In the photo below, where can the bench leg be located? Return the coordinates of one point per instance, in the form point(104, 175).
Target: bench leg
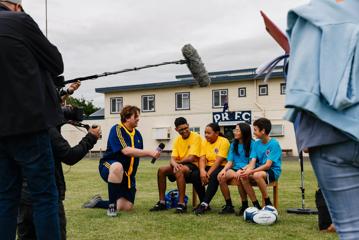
point(194, 197)
point(275, 196)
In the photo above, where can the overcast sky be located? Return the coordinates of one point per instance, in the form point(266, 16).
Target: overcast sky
point(110, 35)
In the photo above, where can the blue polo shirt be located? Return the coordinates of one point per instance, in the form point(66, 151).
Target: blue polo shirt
point(239, 160)
point(269, 151)
point(119, 138)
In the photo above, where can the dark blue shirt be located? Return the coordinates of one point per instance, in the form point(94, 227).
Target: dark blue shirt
point(118, 139)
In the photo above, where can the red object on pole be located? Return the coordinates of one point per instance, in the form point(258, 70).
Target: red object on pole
point(276, 33)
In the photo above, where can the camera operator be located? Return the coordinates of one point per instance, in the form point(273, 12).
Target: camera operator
point(63, 153)
point(29, 106)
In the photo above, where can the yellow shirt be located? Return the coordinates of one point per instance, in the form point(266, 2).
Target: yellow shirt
point(219, 148)
point(183, 148)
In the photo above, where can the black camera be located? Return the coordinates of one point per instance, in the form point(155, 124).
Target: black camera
point(72, 113)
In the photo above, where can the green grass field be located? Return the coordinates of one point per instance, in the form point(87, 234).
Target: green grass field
point(83, 181)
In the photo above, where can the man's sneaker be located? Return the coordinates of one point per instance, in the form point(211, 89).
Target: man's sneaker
point(227, 209)
point(181, 208)
point(92, 202)
point(111, 211)
point(158, 207)
point(201, 209)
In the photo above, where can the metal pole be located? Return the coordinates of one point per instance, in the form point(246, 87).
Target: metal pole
point(46, 18)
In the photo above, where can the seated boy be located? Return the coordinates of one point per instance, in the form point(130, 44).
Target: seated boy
point(265, 164)
point(183, 166)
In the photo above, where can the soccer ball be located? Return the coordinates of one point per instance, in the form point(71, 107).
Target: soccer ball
point(271, 209)
point(264, 217)
point(249, 213)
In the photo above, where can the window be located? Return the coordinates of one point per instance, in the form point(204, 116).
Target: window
point(277, 130)
point(182, 101)
point(242, 92)
point(148, 103)
point(263, 90)
point(282, 88)
point(195, 129)
point(116, 104)
point(219, 97)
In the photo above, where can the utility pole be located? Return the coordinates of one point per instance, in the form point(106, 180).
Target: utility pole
point(46, 17)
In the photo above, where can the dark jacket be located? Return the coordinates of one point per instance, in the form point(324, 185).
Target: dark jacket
point(28, 98)
point(64, 153)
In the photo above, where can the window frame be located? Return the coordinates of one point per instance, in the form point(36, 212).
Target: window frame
point(154, 103)
point(221, 104)
point(283, 92)
point(119, 110)
point(245, 92)
point(265, 86)
point(189, 101)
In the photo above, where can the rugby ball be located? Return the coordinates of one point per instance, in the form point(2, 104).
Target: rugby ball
point(264, 217)
point(249, 214)
point(271, 209)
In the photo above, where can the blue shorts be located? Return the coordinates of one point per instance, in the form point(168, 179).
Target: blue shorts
point(270, 176)
point(125, 192)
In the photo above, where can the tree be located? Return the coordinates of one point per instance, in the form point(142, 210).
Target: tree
point(88, 106)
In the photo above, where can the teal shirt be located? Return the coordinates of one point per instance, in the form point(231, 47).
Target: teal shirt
point(269, 151)
point(239, 160)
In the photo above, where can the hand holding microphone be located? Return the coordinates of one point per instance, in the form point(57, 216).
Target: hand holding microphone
point(159, 149)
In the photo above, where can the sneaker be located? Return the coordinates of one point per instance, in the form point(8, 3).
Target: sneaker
point(227, 209)
point(158, 207)
point(181, 208)
point(92, 202)
point(207, 209)
point(201, 209)
point(111, 211)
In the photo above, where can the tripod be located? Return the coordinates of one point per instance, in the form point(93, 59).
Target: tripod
point(302, 210)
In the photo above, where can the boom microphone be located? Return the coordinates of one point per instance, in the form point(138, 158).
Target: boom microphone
point(159, 148)
point(192, 60)
point(195, 65)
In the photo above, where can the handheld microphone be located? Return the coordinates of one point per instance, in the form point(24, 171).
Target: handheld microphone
point(195, 65)
point(160, 147)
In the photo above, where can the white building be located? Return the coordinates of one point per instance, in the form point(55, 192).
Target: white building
point(160, 103)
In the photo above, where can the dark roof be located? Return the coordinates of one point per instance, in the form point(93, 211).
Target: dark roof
point(99, 114)
point(188, 81)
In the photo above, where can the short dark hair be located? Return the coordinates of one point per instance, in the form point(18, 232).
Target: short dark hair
point(263, 123)
point(128, 111)
point(180, 121)
point(215, 127)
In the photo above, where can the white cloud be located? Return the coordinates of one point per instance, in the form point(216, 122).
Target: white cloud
point(109, 35)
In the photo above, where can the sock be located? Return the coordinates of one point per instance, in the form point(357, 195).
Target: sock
point(102, 204)
point(267, 201)
point(256, 204)
point(229, 202)
point(245, 204)
point(113, 189)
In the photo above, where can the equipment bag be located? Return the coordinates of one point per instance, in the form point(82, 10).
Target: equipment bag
point(171, 198)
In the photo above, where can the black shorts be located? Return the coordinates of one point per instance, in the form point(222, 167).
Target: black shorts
point(191, 167)
point(270, 176)
point(125, 192)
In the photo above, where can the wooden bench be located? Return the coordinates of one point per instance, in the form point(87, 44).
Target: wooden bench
point(274, 185)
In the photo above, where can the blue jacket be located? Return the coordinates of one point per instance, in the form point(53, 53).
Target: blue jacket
point(323, 76)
